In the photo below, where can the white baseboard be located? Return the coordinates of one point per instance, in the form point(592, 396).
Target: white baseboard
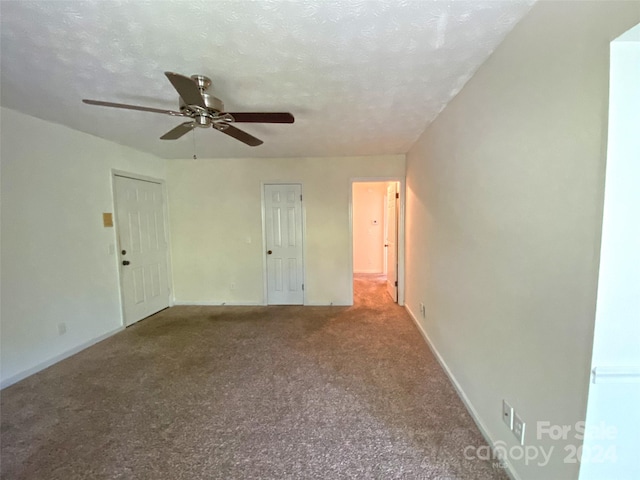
point(47, 363)
point(182, 303)
point(321, 304)
point(467, 403)
point(252, 304)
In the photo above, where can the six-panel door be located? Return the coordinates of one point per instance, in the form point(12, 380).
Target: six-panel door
point(283, 231)
point(143, 255)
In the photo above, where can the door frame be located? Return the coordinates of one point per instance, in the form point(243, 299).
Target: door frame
point(144, 178)
point(401, 227)
point(265, 286)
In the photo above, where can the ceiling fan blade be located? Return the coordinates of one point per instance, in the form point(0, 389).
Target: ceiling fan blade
point(131, 107)
point(187, 89)
point(262, 117)
point(179, 131)
point(238, 134)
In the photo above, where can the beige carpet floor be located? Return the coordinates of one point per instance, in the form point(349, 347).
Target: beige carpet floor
point(246, 393)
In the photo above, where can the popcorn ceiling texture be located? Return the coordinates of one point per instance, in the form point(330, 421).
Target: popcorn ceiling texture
point(362, 77)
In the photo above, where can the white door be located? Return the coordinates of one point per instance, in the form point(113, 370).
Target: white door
point(143, 248)
point(283, 233)
point(391, 240)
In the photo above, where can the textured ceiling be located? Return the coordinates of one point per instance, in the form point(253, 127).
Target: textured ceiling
point(362, 77)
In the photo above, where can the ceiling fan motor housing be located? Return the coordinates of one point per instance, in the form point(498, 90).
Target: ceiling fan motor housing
point(212, 103)
point(203, 118)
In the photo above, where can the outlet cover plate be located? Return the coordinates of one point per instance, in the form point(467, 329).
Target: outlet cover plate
point(507, 414)
point(518, 428)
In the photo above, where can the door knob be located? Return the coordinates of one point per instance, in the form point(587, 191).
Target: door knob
point(126, 262)
point(124, 252)
point(269, 252)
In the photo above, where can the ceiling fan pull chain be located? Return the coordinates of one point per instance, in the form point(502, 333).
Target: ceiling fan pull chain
point(194, 144)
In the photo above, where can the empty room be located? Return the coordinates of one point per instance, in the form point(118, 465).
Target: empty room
point(324, 239)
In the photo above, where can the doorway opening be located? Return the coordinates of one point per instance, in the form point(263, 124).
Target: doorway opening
point(377, 233)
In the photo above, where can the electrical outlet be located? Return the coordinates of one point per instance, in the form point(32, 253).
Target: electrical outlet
point(518, 428)
point(62, 328)
point(507, 414)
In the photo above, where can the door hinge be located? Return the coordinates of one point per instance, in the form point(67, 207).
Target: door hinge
point(396, 283)
point(303, 287)
point(397, 195)
point(300, 197)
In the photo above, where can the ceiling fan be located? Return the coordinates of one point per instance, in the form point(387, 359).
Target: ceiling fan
point(204, 110)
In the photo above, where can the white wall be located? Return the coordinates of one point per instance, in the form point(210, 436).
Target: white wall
point(612, 401)
point(55, 261)
point(216, 224)
point(368, 237)
point(504, 212)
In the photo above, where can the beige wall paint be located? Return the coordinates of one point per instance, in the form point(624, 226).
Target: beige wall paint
point(215, 209)
point(55, 265)
point(368, 238)
point(504, 213)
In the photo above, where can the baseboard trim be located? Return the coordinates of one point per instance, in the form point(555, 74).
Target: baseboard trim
point(181, 303)
point(463, 396)
point(57, 358)
point(320, 304)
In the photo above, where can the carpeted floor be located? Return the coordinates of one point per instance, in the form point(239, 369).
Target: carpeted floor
point(246, 393)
